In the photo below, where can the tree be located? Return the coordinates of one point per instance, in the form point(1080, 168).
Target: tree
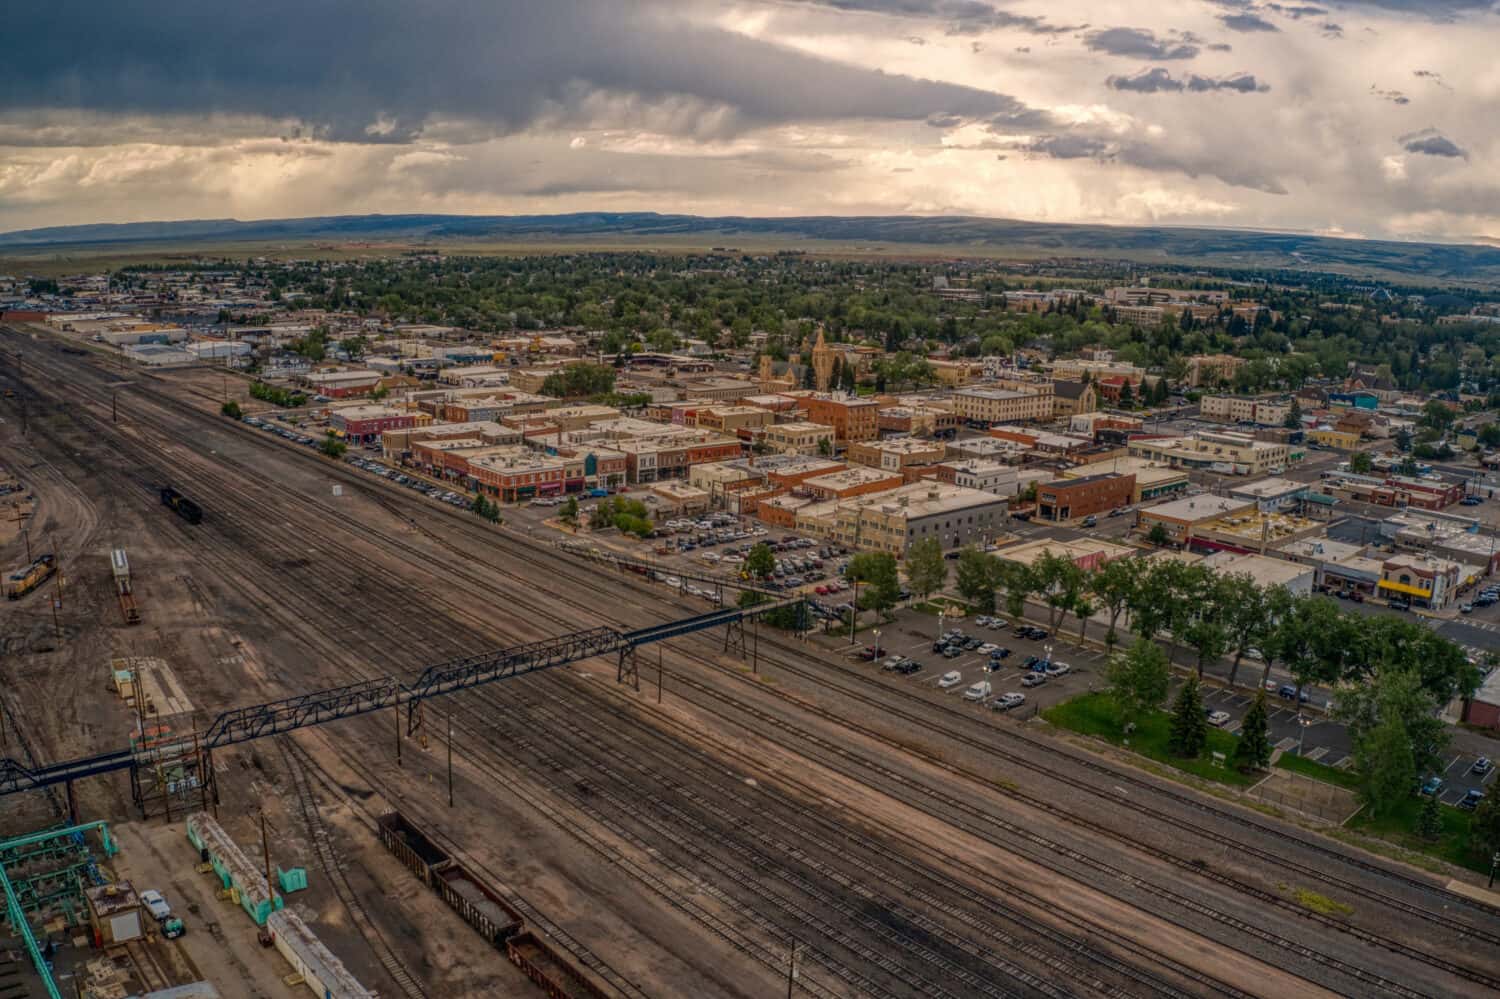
point(1437, 415)
point(1254, 749)
point(1293, 419)
point(1127, 396)
point(1138, 678)
point(1484, 828)
point(926, 569)
point(1083, 608)
point(1112, 585)
point(1205, 617)
point(825, 447)
point(1016, 581)
point(1360, 463)
point(1383, 761)
point(1489, 435)
point(1246, 616)
point(877, 570)
point(1158, 535)
point(579, 381)
point(760, 562)
point(332, 446)
point(1059, 582)
point(1430, 819)
point(1189, 726)
point(569, 512)
point(975, 577)
point(232, 410)
point(354, 346)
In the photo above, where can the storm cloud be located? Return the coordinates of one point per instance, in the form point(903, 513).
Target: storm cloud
point(1246, 22)
point(958, 17)
point(382, 70)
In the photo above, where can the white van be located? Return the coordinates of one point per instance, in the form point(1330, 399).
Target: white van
point(977, 691)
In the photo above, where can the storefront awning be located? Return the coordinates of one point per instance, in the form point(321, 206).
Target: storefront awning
point(1388, 584)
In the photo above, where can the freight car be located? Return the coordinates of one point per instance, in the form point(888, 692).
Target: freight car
point(23, 581)
point(186, 508)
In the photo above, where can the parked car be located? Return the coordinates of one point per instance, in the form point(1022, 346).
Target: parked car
point(156, 904)
point(870, 653)
point(1481, 766)
point(1090, 521)
point(909, 667)
point(1006, 701)
point(1433, 785)
point(1033, 679)
point(1001, 653)
point(952, 678)
point(1466, 608)
point(952, 652)
point(1287, 692)
point(1471, 799)
point(1054, 669)
point(977, 691)
point(1218, 717)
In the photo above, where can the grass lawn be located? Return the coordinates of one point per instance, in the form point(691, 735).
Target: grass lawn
point(1399, 826)
point(1096, 715)
point(1318, 771)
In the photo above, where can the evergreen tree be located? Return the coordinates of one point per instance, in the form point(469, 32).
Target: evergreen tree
point(1429, 819)
point(1189, 726)
point(1254, 750)
point(1127, 396)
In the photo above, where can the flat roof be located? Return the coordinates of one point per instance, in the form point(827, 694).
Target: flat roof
point(1028, 552)
point(1264, 488)
point(1198, 508)
point(1264, 570)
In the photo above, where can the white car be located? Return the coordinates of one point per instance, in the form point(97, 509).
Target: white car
point(1033, 679)
point(156, 904)
point(987, 648)
point(977, 691)
point(1218, 717)
point(1057, 669)
point(672, 581)
point(1005, 702)
point(952, 678)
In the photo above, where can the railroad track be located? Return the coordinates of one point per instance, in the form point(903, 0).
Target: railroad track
point(551, 567)
point(333, 870)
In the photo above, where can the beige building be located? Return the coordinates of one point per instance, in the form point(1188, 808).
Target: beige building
point(1226, 453)
point(800, 437)
point(1210, 369)
point(1245, 409)
point(1073, 369)
point(991, 406)
point(732, 419)
point(891, 521)
point(896, 455)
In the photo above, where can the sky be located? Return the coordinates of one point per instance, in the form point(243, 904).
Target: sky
point(1361, 118)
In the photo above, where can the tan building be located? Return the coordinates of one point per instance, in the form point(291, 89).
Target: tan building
point(898, 455)
point(891, 521)
point(1180, 517)
point(857, 480)
point(1145, 316)
point(1074, 369)
point(956, 373)
point(1153, 482)
point(1070, 399)
point(799, 437)
point(1244, 409)
point(1210, 369)
point(1226, 453)
point(991, 406)
point(732, 419)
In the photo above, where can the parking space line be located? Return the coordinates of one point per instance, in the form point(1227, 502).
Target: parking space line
point(1451, 764)
point(1286, 744)
point(1343, 763)
point(1317, 753)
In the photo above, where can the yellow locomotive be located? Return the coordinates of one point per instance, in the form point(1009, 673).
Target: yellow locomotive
point(23, 581)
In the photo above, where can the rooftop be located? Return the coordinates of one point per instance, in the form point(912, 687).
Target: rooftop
point(1198, 508)
point(1264, 570)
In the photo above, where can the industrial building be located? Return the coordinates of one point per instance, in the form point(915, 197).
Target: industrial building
point(1074, 499)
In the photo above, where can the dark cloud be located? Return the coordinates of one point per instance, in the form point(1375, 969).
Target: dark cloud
point(383, 70)
point(1158, 80)
point(1070, 147)
point(1394, 96)
point(1142, 43)
point(1296, 11)
point(1431, 142)
point(1220, 47)
point(1432, 75)
point(1437, 10)
point(959, 17)
point(1332, 30)
point(1246, 22)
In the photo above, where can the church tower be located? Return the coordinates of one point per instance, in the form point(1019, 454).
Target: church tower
point(822, 362)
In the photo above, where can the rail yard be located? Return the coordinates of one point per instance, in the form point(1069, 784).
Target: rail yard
point(783, 822)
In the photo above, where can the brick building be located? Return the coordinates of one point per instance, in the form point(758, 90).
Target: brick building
point(360, 424)
point(852, 419)
point(1070, 499)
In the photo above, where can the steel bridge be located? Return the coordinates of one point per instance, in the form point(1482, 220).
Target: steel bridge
point(320, 706)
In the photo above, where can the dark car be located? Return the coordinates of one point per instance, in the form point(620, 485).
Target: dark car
point(1031, 662)
point(1287, 692)
point(951, 652)
point(871, 653)
point(1471, 799)
point(970, 644)
point(939, 645)
point(1000, 653)
point(909, 667)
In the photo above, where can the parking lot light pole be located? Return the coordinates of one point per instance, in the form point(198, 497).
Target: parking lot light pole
point(1304, 722)
point(877, 642)
point(940, 624)
point(1494, 861)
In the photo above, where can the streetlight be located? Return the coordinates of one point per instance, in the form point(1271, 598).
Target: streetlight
point(940, 624)
point(877, 642)
point(1304, 723)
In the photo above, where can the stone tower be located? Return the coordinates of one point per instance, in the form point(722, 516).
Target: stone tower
point(822, 363)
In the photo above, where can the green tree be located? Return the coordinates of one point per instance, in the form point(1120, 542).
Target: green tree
point(1112, 585)
point(882, 585)
point(1293, 419)
point(1383, 761)
point(232, 410)
point(1016, 581)
point(1489, 435)
point(1246, 615)
point(1430, 819)
point(569, 512)
point(926, 569)
point(1360, 463)
point(332, 446)
point(1127, 396)
point(1437, 415)
point(760, 562)
point(1253, 751)
point(1083, 609)
point(1189, 726)
point(579, 381)
point(1205, 627)
point(1158, 535)
point(825, 447)
point(1484, 827)
point(354, 346)
point(975, 577)
point(1059, 582)
point(1138, 678)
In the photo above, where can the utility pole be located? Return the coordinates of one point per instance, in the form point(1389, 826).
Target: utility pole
point(265, 851)
point(658, 674)
point(396, 711)
point(854, 612)
point(791, 970)
point(450, 755)
point(114, 407)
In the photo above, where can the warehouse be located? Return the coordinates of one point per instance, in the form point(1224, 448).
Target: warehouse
point(1071, 499)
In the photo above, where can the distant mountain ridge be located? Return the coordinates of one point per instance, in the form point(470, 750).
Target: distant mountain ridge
point(1209, 247)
